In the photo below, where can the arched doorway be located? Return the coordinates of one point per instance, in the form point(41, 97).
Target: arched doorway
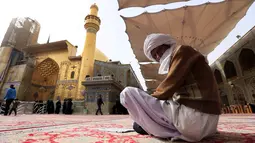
point(218, 76)
point(238, 95)
point(229, 70)
point(247, 59)
point(44, 80)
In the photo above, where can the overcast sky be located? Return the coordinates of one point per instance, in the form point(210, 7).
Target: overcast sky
point(64, 20)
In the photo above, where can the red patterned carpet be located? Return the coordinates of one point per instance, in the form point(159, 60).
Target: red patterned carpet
point(97, 129)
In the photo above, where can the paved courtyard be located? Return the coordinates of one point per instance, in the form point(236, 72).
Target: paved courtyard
point(106, 129)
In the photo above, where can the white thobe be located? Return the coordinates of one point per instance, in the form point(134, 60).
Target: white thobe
point(167, 118)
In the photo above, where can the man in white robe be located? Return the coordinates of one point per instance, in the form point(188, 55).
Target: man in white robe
point(186, 104)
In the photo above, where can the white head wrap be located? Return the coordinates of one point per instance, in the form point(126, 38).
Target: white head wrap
point(152, 41)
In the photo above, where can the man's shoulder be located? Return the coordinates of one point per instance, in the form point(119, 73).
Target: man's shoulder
point(185, 50)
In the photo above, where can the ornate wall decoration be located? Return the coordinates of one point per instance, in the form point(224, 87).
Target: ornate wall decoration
point(238, 95)
point(47, 68)
point(64, 68)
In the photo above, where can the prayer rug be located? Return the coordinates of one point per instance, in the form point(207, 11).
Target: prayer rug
point(106, 129)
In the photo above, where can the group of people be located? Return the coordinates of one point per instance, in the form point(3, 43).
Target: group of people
point(51, 108)
point(67, 106)
point(11, 102)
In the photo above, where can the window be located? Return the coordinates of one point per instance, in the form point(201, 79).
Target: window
point(72, 74)
point(229, 70)
point(247, 59)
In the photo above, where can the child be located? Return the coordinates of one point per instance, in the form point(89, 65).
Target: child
point(14, 107)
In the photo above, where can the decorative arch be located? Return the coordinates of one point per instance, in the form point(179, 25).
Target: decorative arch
point(45, 77)
point(247, 59)
point(229, 70)
point(238, 95)
point(218, 76)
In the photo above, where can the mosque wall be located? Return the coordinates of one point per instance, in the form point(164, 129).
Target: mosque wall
point(15, 77)
point(235, 73)
point(64, 84)
point(93, 93)
point(121, 73)
point(109, 92)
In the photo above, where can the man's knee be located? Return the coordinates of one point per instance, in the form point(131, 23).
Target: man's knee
point(126, 93)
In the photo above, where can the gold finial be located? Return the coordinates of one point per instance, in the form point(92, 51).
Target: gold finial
point(94, 6)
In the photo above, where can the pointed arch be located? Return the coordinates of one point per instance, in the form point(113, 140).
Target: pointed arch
point(45, 76)
point(230, 70)
point(247, 59)
point(218, 76)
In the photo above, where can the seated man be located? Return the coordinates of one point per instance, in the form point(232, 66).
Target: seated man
point(186, 104)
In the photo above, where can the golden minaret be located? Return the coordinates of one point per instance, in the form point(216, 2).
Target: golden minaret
point(92, 23)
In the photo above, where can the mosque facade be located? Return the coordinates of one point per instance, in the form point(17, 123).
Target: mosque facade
point(235, 71)
point(54, 71)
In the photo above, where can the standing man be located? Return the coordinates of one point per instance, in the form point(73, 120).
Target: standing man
point(99, 103)
point(9, 97)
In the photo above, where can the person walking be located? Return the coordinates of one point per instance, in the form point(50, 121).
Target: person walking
point(99, 104)
point(9, 97)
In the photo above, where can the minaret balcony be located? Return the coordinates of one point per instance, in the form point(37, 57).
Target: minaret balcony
point(93, 18)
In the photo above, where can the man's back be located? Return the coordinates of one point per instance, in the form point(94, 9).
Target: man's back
point(190, 82)
point(200, 80)
point(99, 101)
point(10, 94)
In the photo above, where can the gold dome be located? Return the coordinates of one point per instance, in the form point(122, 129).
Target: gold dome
point(100, 56)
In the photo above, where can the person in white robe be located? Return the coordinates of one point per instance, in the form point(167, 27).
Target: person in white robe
point(164, 116)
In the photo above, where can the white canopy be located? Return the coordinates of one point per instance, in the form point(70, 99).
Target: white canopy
point(150, 71)
point(202, 27)
point(143, 3)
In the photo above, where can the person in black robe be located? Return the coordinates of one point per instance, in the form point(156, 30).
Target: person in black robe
point(50, 107)
point(99, 104)
point(64, 106)
point(69, 106)
point(58, 106)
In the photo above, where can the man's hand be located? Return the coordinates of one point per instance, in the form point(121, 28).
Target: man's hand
point(158, 95)
point(155, 94)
